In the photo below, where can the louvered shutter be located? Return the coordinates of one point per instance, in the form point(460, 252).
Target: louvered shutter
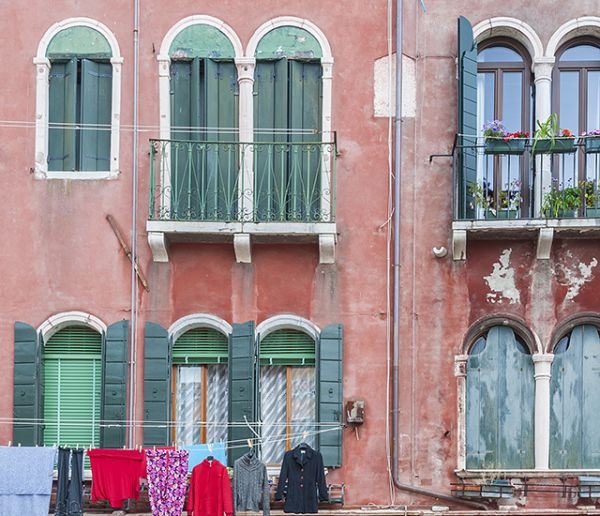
point(467, 116)
point(72, 387)
point(157, 385)
point(95, 110)
point(114, 385)
point(62, 116)
point(241, 386)
point(26, 400)
point(201, 346)
point(330, 392)
point(287, 347)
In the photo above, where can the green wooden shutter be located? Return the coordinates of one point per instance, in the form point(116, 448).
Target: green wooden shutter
point(114, 384)
point(157, 385)
point(62, 109)
point(500, 404)
point(287, 347)
point(201, 346)
point(26, 400)
point(241, 386)
point(329, 393)
point(72, 387)
point(575, 404)
point(467, 115)
point(95, 110)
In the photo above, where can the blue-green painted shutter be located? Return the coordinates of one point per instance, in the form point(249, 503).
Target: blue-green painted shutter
point(157, 385)
point(467, 116)
point(114, 384)
point(26, 400)
point(95, 110)
point(242, 354)
point(287, 347)
point(575, 403)
point(329, 393)
point(500, 404)
point(62, 110)
point(201, 346)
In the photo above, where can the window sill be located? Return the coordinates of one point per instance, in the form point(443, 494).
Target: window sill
point(488, 474)
point(543, 230)
point(77, 176)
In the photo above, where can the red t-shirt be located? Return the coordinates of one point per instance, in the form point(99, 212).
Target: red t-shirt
point(115, 475)
point(210, 490)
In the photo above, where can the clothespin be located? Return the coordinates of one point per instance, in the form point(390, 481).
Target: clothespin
point(304, 435)
point(154, 448)
point(19, 445)
point(10, 443)
point(210, 447)
point(250, 445)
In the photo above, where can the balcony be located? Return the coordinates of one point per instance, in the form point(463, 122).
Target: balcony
point(242, 193)
point(516, 191)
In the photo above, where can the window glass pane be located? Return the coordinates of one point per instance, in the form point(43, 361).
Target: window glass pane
point(273, 412)
point(485, 113)
point(303, 405)
point(499, 54)
point(569, 119)
point(188, 404)
point(216, 403)
point(593, 122)
point(512, 100)
point(581, 53)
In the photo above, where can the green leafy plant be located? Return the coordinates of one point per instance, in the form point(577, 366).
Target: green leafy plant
point(549, 130)
point(559, 200)
point(590, 192)
point(508, 199)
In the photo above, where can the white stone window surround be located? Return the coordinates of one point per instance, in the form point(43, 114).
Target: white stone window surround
point(198, 320)
point(287, 322)
point(42, 71)
point(61, 320)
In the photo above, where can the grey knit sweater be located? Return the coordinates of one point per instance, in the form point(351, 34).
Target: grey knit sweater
point(250, 485)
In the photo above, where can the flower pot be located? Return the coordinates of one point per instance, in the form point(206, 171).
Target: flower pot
point(567, 214)
point(592, 145)
point(556, 146)
point(502, 214)
point(592, 213)
point(500, 146)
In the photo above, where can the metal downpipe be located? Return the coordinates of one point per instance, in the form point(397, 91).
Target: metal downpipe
point(396, 282)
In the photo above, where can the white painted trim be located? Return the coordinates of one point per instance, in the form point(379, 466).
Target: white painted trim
point(201, 320)
point(512, 27)
point(542, 364)
point(61, 320)
point(287, 322)
point(42, 66)
point(584, 25)
point(200, 19)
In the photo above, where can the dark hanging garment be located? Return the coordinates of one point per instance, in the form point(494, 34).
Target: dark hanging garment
point(69, 494)
point(302, 480)
point(250, 484)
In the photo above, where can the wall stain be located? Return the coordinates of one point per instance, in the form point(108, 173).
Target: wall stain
point(501, 281)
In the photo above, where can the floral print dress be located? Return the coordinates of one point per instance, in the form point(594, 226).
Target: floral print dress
point(167, 481)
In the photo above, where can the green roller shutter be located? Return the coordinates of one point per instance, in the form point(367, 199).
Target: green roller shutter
point(95, 110)
point(467, 116)
point(157, 385)
point(26, 401)
point(114, 385)
point(242, 355)
point(287, 347)
point(329, 393)
point(201, 346)
point(62, 109)
point(72, 387)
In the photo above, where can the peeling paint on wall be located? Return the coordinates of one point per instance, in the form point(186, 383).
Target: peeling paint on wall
point(383, 106)
point(501, 281)
point(575, 275)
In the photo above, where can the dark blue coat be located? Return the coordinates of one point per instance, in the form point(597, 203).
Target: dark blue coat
point(302, 480)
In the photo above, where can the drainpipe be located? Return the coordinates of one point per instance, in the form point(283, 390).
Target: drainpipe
point(396, 265)
point(134, 180)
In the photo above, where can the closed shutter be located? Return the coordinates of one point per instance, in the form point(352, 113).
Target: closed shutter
point(62, 116)
point(287, 347)
point(329, 393)
point(575, 404)
point(157, 384)
point(26, 401)
point(500, 404)
point(114, 385)
point(72, 387)
point(201, 346)
point(241, 386)
point(95, 110)
point(467, 116)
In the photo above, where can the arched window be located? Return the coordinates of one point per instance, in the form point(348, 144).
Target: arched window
point(500, 402)
point(72, 387)
point(288, 114)
point(287, 392)
point(504, 93)
point(575, 404)
point(200, 386)
point(576, 99)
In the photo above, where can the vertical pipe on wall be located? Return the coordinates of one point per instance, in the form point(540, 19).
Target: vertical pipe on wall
point(396, 283)
point(134, 180)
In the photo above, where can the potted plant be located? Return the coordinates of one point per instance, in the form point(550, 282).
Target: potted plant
point(499, 141)
point(592, 199)
point(591, 141)
point(549, 138)
point(562, 202)
point(509, 200)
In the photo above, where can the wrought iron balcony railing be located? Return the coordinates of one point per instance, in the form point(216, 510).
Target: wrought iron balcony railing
point(242, 182)
point(515, 180)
